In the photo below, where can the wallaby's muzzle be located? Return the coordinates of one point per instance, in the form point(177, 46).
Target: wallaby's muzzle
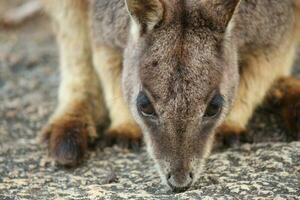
point(179, 181)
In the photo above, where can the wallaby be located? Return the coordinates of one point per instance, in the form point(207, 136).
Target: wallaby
point(178, 71)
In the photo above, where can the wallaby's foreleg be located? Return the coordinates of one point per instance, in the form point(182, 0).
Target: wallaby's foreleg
point(80, 106)
point(257, 75)
point(123, 128)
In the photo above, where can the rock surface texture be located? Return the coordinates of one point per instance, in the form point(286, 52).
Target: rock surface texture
point(267, 169)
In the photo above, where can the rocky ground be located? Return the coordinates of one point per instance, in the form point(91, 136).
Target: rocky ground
point(267, 169)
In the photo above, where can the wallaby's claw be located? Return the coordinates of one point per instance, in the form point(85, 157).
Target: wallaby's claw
point(230, 136)
point(291, 114)
point(126, 136)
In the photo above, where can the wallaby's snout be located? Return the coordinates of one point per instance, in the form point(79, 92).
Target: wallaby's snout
point(180, 177)
point(180, 182)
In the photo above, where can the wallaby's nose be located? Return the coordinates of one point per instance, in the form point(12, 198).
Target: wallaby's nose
point(180, 182)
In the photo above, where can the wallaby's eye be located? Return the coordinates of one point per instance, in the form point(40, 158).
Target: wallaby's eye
point(144, 105)
point(214, 106)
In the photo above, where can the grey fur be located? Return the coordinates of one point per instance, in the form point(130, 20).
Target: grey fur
point(110, 22)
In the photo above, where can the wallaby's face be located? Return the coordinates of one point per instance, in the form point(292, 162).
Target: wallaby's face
point(180, 76)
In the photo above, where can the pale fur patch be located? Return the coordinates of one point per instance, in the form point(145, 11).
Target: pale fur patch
point(108, 64)
point(135, 30)
point(257, 78)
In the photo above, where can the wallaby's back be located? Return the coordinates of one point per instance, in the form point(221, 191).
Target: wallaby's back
point(258, 24)
point(262, 25)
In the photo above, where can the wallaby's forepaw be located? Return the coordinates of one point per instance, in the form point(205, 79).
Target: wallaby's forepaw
point(291, 114)
point(127, 135)
point(286, 93)
point(67, 139)
point(229, 136)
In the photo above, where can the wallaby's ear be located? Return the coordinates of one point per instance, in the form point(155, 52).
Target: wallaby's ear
point(146, 13)
point(221, 11)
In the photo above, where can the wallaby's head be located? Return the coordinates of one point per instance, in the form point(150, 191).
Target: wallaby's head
point(180, 78)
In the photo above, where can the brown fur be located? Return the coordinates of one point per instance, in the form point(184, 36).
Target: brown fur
point(68, 143)
point(127, 131)
point(286, 94)
point(230, 129)
point(228, 135)
point(181, 54)
point(66, 135)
